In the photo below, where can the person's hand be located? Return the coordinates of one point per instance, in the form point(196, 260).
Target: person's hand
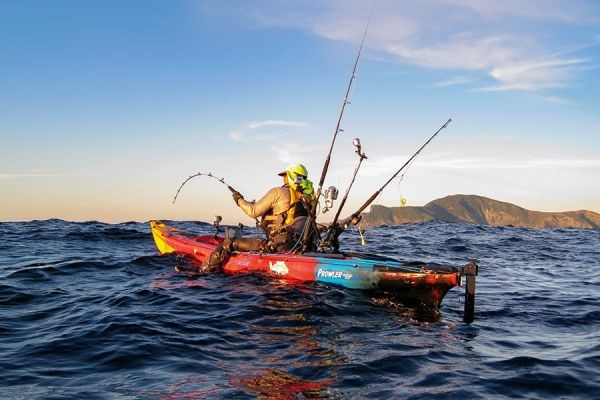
point(236, 197)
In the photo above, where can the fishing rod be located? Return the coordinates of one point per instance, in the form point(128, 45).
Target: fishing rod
point(222, 180)
point(355, 218)
point(331, 239)
point(218, 218)
point(312, 214)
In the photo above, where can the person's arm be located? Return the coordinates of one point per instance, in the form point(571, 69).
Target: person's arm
point(260, 208)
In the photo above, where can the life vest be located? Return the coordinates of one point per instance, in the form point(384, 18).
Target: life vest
point(297, 206)
point(279, 227)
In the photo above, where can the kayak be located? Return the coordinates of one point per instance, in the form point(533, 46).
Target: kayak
point(413, 283)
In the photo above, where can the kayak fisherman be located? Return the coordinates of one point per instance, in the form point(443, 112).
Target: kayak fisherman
point(283, 211)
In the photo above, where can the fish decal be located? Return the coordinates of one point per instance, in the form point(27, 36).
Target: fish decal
point(279, 268)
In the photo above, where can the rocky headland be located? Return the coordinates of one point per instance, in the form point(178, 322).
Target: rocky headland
point(480, 210)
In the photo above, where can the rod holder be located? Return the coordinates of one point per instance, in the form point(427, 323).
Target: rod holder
point(469, 271)
point(217, 223)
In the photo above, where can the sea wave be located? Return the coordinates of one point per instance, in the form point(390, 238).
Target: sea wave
point(90, 310)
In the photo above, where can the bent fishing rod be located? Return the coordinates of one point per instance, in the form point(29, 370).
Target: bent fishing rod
point(355, 218)
point(210, 175)
point(222, 180)
point(312, 214)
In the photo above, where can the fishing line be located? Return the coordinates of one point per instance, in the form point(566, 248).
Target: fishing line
point(312, 216)
point(355, 218)
point(400, 179)
point(299, 241)
point(222, 180)
point(210, 175)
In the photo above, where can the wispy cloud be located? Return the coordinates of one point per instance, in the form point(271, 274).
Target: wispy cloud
point(385, 166)
point(493, 137)
point(533, 74)
point(293, 152)
point(559, 100)
point(388, 166)
point(490, 163)
point(263, 130)
point(510, 43)
point(544, 10)
point(260, 124)
point(459, 80)
point(28, 176)
point(567, 163)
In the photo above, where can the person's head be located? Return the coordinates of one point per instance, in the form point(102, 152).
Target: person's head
point(294, 174)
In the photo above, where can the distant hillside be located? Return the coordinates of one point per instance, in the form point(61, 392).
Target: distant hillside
point(480, 210)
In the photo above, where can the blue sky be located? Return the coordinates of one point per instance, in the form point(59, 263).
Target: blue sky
point(107, 106)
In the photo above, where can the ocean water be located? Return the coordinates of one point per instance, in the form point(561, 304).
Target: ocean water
point(91, 311)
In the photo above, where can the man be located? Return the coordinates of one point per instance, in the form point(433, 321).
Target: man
point(283, 211)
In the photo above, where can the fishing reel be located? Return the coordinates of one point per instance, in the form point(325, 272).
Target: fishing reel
point(356, 143)
point(331, 194)
point(232, 232)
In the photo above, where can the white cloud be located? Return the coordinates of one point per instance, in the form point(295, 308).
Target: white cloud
point(494, 137)
point(263, 130)
point(548, 10)
point(389, 165)
point(293, 152)
point(488, 163)
point(237, 136)
point(567, 163)
point(510, 42)
point(532, 75)
point(559, 100)
point(385, 166)
point(260, 124)
point(27, 176)
point(462, 51)
point(458, 80)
